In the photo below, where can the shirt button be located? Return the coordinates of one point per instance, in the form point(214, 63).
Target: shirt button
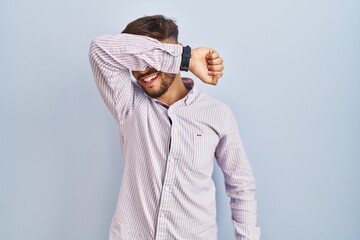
point(168, 188)
point(171, 160)
point(161, 215)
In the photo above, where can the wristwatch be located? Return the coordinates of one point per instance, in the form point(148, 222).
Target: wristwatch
point(185, 59)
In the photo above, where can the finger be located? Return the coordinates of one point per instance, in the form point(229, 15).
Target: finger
point(213, 54)
point(216, 67)
point(208, 80)
point(215, 79)
point(211, 79)
point(213, 73)
point(218, 60)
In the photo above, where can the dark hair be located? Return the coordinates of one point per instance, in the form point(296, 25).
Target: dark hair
point(157, 26)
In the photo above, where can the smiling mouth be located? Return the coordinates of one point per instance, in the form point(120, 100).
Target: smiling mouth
point(149, 79)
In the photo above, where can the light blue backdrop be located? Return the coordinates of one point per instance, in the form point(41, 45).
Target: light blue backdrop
point(292, 78)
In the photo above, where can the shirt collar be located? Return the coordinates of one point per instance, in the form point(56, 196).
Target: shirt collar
point(189, 84)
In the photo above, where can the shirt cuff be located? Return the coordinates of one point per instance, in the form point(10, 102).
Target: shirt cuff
point(172, 60)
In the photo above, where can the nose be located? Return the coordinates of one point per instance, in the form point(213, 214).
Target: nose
point(145, 71)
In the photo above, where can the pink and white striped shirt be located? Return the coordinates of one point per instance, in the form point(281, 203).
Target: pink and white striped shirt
point(167, 191)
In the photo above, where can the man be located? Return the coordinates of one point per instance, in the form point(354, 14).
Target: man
point(170, 134)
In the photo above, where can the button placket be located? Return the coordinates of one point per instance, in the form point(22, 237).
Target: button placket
point(165, 203)
point(171, 160)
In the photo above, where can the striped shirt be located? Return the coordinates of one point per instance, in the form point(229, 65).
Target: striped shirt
point(167, 191)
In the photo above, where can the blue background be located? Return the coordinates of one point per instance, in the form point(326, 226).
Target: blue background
point(292, 78)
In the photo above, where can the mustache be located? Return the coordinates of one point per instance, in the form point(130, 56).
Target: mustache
point(151, 71)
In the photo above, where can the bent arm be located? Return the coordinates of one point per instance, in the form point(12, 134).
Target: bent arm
point(239, 181)
point(113, 57)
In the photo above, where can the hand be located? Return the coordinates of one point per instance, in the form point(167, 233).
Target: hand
point(206, 64)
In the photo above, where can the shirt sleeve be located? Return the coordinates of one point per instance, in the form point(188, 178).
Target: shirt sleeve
point(112, 57)
point(239, 181)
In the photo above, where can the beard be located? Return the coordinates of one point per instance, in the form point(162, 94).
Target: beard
point(166, 80)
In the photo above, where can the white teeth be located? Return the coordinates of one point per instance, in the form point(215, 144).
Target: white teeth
point(148, 79)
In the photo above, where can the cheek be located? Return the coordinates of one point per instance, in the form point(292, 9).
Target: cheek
point(169, 78)
point(165, 77)
point(135, 74)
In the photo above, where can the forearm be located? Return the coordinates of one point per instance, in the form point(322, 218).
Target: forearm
point(135, 53)
point(239, 181)
point(244, 211)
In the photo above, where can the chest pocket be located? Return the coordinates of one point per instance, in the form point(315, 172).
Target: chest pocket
point(204, 150)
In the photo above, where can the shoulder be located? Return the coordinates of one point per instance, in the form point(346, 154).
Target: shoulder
point(213, 104)
point(213, 109)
